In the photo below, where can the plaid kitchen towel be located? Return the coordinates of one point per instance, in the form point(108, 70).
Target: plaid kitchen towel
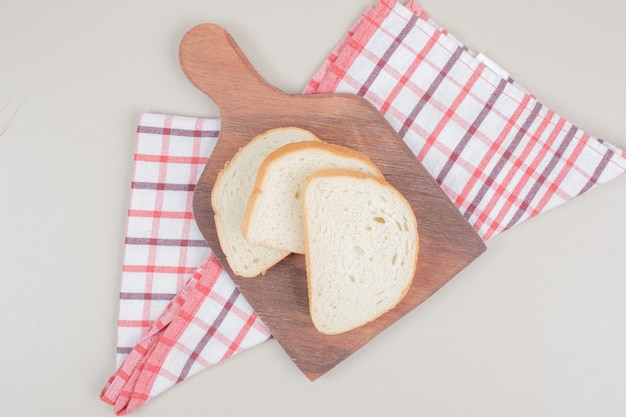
point(499, 154)
point(205, 323)
point(163, 244)
point(179, 312)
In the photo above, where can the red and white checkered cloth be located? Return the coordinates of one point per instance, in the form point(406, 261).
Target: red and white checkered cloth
point(179, 310)
point(500, 155)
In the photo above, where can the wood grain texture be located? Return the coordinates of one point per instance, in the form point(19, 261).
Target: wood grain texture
point(249, 106)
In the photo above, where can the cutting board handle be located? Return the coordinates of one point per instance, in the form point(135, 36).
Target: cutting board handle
point(214, 63)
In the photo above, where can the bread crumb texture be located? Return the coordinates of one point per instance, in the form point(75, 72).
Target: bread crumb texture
point(362, 247)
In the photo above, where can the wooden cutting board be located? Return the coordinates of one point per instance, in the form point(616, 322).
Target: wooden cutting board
point(249, 106)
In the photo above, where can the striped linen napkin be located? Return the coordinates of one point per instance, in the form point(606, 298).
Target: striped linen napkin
point(499, 154)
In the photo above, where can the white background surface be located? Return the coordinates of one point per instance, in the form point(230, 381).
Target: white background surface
point(535, 327)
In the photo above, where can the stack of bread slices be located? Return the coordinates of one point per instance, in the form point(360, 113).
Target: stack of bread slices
point(289, 192)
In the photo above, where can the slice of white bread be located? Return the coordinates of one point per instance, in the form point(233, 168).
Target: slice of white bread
point(273, 217)
point(361, 245)
point(230, 195)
